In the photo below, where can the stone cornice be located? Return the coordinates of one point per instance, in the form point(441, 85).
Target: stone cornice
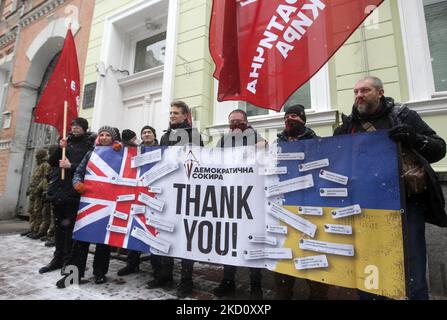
point(8, 38)
point(39, 12)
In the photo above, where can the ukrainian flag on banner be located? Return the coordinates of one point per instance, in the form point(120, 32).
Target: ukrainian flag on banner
point(370, 163)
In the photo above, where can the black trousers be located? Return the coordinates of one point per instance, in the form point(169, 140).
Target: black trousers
point(64, 221)
point(285, 283)
point(165, 268)
point(101, 260)
point(133, 260)
point(229, 274)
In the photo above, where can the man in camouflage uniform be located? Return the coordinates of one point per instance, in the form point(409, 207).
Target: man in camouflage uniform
point(50, 236)
point(37, 209)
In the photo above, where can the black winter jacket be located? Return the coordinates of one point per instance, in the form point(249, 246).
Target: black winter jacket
point(308, 134)
point(180, 136)
point(61, 192)
point(249, 137)
point(429, 148)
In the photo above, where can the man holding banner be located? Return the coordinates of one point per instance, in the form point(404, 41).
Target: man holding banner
point(241, 134)
point(420, 146)
point(296, 130)
point(179, 133)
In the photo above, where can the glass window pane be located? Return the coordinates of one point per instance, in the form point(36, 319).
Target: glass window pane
point(301, 96)
point(150, 53)
point(436, 19)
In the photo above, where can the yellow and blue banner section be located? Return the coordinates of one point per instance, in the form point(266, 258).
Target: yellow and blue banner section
point(355, 203)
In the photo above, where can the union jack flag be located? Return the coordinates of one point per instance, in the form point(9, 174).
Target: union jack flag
point(106, 212)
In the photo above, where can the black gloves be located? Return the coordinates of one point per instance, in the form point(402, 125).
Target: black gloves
point(405, 134)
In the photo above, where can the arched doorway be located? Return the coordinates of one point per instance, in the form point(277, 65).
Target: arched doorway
point(39, 136)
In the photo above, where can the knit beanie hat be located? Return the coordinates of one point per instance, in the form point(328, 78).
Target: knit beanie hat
point(118, 134)
point(110, 130)
point(83, 123)
point(128, 135)
point(298, 110)
point(150, 128)
point(41, 154)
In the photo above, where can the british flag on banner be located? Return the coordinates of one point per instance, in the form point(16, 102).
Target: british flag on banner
point(111, 207)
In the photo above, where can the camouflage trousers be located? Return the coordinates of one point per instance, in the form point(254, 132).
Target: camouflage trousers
point(40, 215)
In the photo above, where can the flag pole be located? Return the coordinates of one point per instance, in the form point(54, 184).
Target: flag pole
point(64, 137)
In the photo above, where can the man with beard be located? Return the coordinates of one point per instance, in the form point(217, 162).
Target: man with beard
point(420, 147)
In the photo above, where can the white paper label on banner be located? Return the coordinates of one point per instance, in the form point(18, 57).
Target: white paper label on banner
point(327, 247)
point(116, 229)
point(156, 190)
point(154, 242)
point(313, 165)
point(334, 177)
point(290, 156)
point(310, 211)
point(159, 224)
point(151, 202)
point(334, 192)
point(292, 219)
point(272, 171)
point(158, 172)
point(291, 185)
point(277, 229)
point(126, 182)
point(313, 262)
point(262, 239)
point(346, 211)
point(337, 228)
point(121, 215)
point(124, 198)
point(137, 209)
point(146, 158)
point(276, 254)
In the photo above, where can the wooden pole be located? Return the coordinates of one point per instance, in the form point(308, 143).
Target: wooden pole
point(64, 137)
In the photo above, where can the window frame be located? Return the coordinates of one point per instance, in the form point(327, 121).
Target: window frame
point(421, 83)
point(320, 97)
point(133, 47)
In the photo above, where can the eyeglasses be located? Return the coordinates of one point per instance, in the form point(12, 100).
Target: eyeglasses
point(237, 121)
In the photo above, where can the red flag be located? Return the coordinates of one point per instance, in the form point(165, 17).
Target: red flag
point(265, 50)
point(64, 85)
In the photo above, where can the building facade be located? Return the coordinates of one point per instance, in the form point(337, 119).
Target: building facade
point(404, 42)
point(32, 33)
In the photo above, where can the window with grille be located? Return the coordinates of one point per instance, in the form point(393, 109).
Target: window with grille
point(436, 20)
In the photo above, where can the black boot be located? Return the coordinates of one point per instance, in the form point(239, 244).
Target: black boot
point(100, 279)
point(225, 288)
point(184, 289)
point(25, 233)
point(50, 243)
point(53, 265)
point(256, 291)
point(128, 269)
point(62, 283)
point(159, 282)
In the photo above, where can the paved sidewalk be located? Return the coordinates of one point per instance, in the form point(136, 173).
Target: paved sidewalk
point(21, 258)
